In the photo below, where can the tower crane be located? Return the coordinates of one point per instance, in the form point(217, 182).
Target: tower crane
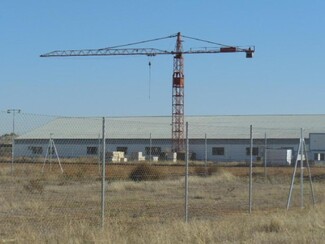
point(178, 70)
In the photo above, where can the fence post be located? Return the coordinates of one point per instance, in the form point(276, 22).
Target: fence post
point(302, 171)
point(265, 157)
point(300, 157)
point(103, 175)
point(310, 179)
point(294, 171)
point(251, 169)
point(206, 154)
point(186, 175)
point(150, 148)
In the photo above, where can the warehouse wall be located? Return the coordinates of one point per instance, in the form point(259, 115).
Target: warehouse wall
point(233, 150)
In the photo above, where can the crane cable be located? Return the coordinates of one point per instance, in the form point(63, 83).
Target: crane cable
point(201, 40)
point(210, 42)
point(135, 43)
point(149, 64)
point(166, 37)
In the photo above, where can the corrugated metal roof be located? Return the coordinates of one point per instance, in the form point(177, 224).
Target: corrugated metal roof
point(219, 127)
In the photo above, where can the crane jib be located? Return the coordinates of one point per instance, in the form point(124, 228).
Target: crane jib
point(140, 51)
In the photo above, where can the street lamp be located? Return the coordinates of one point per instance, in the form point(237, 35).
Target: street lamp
point(13, 112)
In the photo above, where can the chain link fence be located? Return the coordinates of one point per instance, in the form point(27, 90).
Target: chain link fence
point(51, 169)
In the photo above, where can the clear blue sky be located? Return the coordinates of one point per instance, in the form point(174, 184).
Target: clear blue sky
point(286, 76)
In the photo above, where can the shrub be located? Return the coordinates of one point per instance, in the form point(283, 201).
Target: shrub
point(34, 186)
point(275, 225)
point(206, 170)
point(146, 171)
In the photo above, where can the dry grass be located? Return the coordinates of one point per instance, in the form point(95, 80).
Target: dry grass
point(297, 226)
point(65, 208)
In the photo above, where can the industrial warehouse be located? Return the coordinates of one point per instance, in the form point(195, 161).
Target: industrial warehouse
point(212, 138)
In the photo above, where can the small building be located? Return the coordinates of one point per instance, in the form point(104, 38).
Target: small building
point(212, 138)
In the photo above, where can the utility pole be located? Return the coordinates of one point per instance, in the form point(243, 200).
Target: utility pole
point(13, 111)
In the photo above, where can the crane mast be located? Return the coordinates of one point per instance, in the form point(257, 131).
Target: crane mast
point(178, 71)
point(178, 98)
